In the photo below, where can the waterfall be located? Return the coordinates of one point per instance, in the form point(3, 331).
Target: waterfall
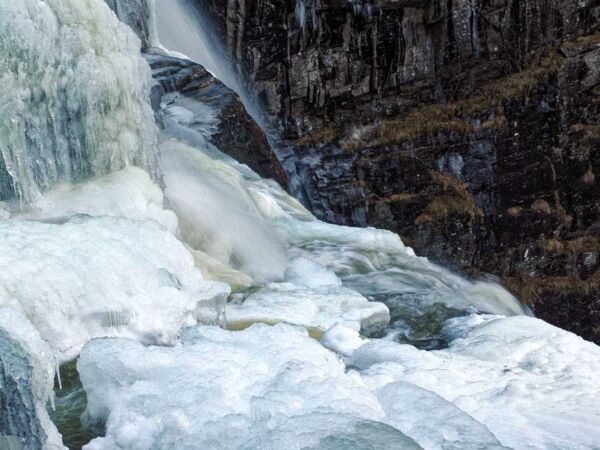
point(182, 29)
point(74, 96)
point(205, 307)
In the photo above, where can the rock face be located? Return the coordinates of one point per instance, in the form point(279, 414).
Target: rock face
point(136, 14)
point(26, 380)
point(470, 128)
point(18, 422)
point(236, 134)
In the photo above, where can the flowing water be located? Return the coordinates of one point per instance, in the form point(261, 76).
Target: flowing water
point(194, 304)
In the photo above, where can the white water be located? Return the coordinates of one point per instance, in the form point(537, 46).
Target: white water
point(181, 29)
point(263, 226)
point(106, 258)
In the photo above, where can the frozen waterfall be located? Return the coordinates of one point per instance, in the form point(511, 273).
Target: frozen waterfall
point(121, 244)
point(74, 96)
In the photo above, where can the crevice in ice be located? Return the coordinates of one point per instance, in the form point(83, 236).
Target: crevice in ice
point(68, 415)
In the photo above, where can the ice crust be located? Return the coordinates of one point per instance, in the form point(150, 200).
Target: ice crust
point(274, 387)
point(534, 386)
point(311, 296)
point(261, 388)
point(93, 273)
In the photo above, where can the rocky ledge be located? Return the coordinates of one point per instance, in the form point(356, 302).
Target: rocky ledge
point(236, 134)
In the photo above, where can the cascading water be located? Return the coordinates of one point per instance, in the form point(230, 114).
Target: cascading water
point(182, 29)
point(102, 271)
point(374, 262)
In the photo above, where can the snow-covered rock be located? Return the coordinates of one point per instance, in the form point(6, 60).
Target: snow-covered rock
point(267, 387)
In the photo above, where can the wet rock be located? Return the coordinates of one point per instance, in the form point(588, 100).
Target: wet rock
point(136, 14)
point(26, 371)
point(236, 134)
point(18, 419)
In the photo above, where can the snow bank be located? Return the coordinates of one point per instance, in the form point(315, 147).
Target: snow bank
point(264, 387)
point(534, 386)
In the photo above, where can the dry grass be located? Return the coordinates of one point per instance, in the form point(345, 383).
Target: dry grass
point(455, 200)
point(541, 205)
point(495, 123)
point(589, 39)
point(320, 136)
point(427, 120)
point(521, 82)
point(440, 208)
point(448, 182)
point(455, 116)
point(588, 178)
point(589, 133)
point(573, 246)
point(529, 289)
point(552, 246)
point(515, 211)
point(401, 197)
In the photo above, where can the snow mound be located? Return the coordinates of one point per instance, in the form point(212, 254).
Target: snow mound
point(106, 276)
point(264, 387)
point(534, 386)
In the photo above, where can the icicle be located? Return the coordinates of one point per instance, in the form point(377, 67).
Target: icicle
point(57, 366)
point(300, 11)
point(106, 123)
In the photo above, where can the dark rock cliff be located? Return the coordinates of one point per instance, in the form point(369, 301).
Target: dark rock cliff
point(471, 128)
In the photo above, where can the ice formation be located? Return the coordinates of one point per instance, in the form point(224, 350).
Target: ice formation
point(102, 276)
point(531, 384)
point(277, 387)
point(128, 193)
point(264, 387)
point(74, 96)
point(27, 368)
point(311, 296)
point(101, 259)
